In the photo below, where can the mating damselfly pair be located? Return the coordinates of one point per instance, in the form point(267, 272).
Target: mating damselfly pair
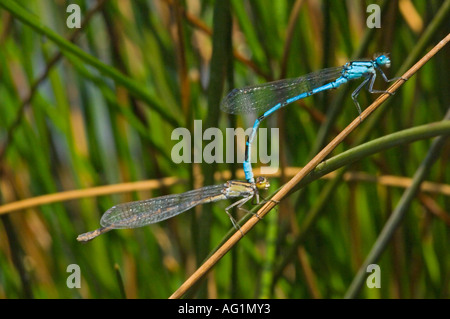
point(267, 98)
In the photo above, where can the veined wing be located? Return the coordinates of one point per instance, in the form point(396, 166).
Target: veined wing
point(149, 211)
point(259, 98)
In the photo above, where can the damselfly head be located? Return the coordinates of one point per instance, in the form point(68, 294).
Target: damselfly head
point(262, 183)
point(383, 60)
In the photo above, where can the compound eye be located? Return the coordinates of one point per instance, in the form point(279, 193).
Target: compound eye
point(262, 182)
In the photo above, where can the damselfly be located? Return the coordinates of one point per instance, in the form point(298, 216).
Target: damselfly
point(272, 96)
point(150, 211)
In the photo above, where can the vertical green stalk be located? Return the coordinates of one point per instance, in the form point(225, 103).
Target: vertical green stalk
point(119, 279)
point(271, 249)
point(222, 29)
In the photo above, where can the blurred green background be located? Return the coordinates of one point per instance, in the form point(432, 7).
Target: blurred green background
point(102, 111)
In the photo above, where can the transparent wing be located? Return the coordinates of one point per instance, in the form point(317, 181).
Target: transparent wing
point(259, 98)
point(149, 211)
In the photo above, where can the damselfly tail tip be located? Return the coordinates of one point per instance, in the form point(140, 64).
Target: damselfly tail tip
point(82, 238)
point(85, 237)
